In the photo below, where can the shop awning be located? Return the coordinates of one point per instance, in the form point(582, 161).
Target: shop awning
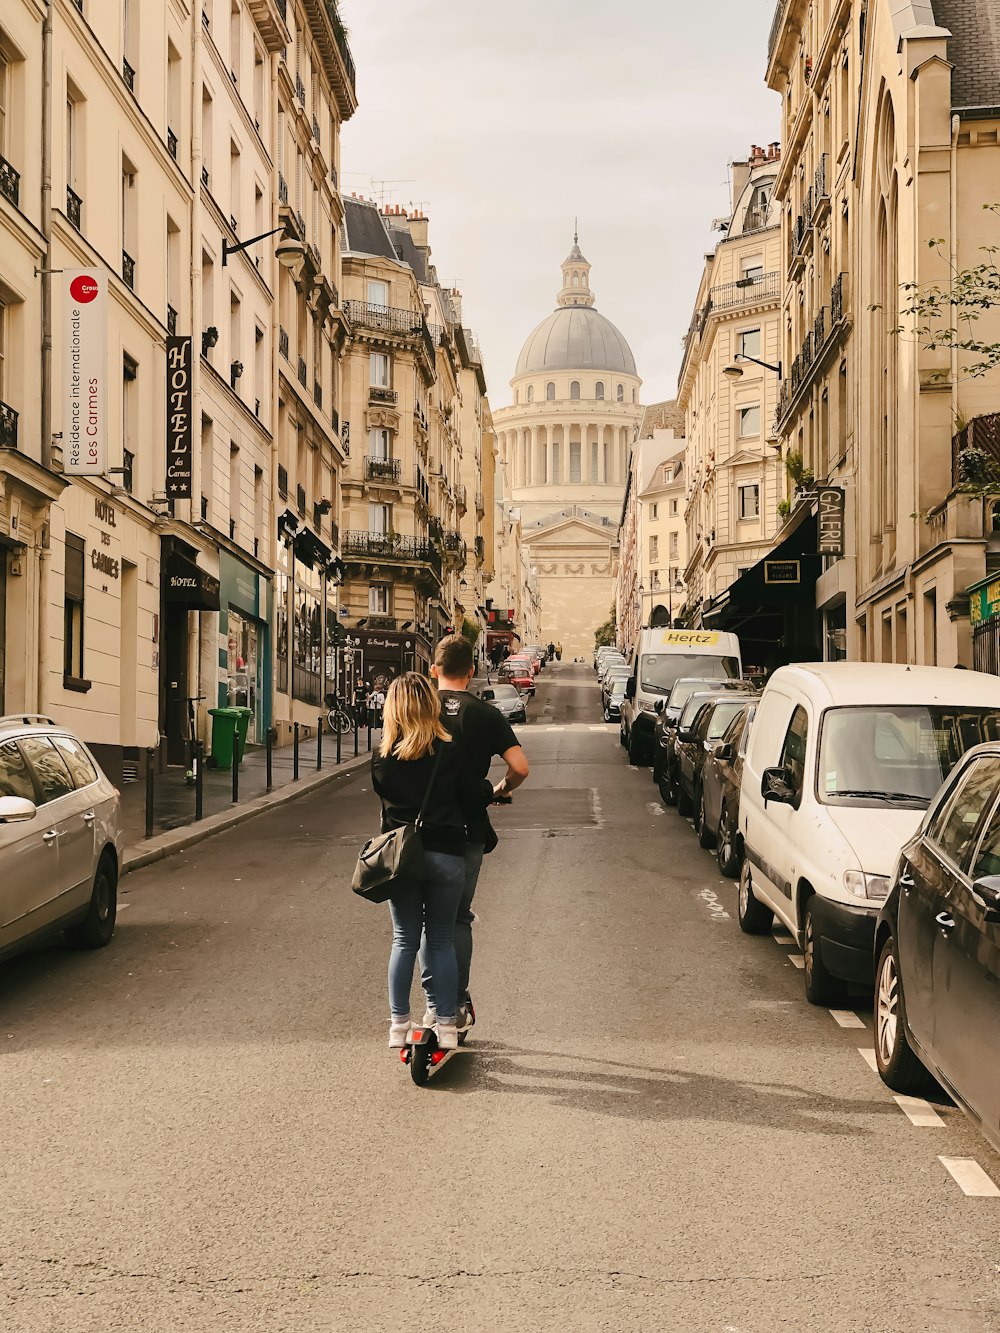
point(309, 550)
point(184, 584)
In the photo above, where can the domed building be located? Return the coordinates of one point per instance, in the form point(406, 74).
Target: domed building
point(565, 444)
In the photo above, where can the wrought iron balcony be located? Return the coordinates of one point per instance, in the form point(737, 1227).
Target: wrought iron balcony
point(837, 299)
point(315, 129)
point(282, 189)
point(377, 393)
point(283, 342)
point(10, 181)
point(317, 393)
point(821, 193)
point(745, 291)
point(303, 372)
point(171, 143)
point(204, 177)
point(756, 218)
point(8, 427)
point(300, 499)
point(128, 270)
point(383, 318)
point(171, 321)
point(283, 481)
point(382, 469)
point(975, 454)
point(480, 549)
point(74, 207)
point(316, 259)
point(461, 497)
point(383, 546)
point(300, 89)
point(820, 330)
point(128, 74)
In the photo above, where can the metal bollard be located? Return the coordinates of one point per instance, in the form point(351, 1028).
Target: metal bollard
point(369, 733)
point(269, 740)
point(236, 768)
point(295, 752)
point(338, 745)
point(319, 743)
point(355, 736)
point(199, 780)
point(149, 792)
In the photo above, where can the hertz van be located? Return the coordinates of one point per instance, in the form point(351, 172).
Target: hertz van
point(661, 657)
point(843, 760)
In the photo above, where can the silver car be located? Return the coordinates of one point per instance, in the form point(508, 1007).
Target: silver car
point(505, 699)
point(61, 839)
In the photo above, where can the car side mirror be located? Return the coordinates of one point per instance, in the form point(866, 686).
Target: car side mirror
point(16, 810)
point(659, 706)
point(776, 785)
point(630, 688)
point(685, 735)
point(724, 753)
point(986, 892)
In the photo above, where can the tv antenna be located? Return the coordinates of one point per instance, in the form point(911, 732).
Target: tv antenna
point(380, 188)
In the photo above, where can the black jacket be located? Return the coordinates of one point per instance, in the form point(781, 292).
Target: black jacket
point(402, 784)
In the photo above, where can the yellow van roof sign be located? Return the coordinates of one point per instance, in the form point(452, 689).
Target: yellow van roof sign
point(688, 638)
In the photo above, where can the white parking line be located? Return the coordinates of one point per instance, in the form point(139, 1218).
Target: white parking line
point(782, 939)
point(869, 1058)
point(797, 960)
point(970, 1177)
point(919, 1112)
point(655, 808)
point(846, 1018)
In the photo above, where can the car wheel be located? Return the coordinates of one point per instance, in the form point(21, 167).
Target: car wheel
point(98, 926)
point(684, 803)
point(621, 737)
point(898, 1066)
point(754, 917)
point(728, 844)
point(635, 755)
point(822, 987)
point(668, 788)
point(705, 835)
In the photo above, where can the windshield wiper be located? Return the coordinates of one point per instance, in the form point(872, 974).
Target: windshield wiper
point(880, 795)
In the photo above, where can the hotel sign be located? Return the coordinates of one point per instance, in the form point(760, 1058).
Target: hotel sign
point(85, 401)
point(179, 418)
point(830, 521)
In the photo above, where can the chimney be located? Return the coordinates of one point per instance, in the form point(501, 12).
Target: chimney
point(741, 174)
point(774, 151)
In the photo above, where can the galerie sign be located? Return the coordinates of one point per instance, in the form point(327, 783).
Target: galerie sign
point(830, 520)
point(85, 400)
point(179, 418)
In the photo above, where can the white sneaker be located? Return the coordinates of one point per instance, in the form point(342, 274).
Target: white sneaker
point(430, 1018)
point(398, 1034)
point(447, 1035)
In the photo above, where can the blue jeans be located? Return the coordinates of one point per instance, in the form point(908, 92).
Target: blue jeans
point(428, 908)
point(463, 932)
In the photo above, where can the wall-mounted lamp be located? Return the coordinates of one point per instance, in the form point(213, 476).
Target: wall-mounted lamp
point(208, 339)
point(735, 372)
point(235, 371)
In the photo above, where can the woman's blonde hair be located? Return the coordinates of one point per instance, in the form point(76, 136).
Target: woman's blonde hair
point(411, 719)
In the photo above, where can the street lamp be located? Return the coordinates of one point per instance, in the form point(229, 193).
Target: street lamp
point(289, 252)
point(735, 372)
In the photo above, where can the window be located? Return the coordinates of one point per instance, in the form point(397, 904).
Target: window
point(81, 770)
point(378, 598)
point(599, 390)
point(620, 393)
point(550, 393)
point(575, 470)
point(15, 776)
point(381, 369)
point(379, 519)
point(673, 507)
point(748, 498)
point(753, 269)
point(3, 349)
point(556, 463)
point(531, 393)
point(130, 412)
point(379, 441)
point(71, 164)
point(129, 214)
point(378, 292)
point(674, 546)
point(654, 550)
point(952, 828)
point(53, 776)
point(593, 460)
point(574, 390)
point(4, 102)
point(73, 609)
point(654, 510)
point(234, 43)
point(987, 861)
point(793, 751)
point(748, 343)
point(749, 419)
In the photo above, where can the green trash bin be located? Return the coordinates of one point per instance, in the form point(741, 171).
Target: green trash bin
point(224, 723)
point(242, 725)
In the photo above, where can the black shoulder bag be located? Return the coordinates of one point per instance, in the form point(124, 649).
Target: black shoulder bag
point(386, 861)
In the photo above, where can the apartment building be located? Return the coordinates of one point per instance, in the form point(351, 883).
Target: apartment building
point(890, 130)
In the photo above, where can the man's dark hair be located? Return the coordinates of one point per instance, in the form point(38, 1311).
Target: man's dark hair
point(453, 657)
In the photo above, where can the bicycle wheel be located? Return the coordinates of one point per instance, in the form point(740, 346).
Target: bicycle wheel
point(341, 722)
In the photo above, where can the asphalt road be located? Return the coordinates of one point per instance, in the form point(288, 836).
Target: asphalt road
point(650, 1129)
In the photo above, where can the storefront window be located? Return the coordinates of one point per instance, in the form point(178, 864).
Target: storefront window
point(307, 654)
point(281, 630)
point(242, 659)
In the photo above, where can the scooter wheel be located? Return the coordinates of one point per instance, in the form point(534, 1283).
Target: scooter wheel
point(420, 1064)
point(461, 1038)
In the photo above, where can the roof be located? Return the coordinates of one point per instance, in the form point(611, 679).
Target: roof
point(973, 48)
point(862, 683)
point(366, 232)
point(408, 252)
point(662, 416)
point(576, 338)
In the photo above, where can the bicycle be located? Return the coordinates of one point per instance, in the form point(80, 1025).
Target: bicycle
point(338, 718)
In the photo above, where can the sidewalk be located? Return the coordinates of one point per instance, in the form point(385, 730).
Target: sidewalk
point(174, 826)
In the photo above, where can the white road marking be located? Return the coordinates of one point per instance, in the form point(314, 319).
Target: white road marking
point(919, 1112)
point(714, 904)
point(845, 1018)
point(868, 1055)
point(782, 939)
point(797, 960)
point(655, 808)
point(970, 1177)
point(595, 807)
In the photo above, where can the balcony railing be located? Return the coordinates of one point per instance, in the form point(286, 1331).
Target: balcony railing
point(776, 24)
point(300, 89)
point(10, 181)
point(204, 177)
point(282, 189)
point(480, 504)
point(389, 546)
point(798, 234)
point(74, 207)
point(128, 74)
point(315, 129)
point(300, 499)
point(128, 270)
point(820, 329)
point(283, 342)
point(341, 39)
point(384, 318)
point(171, 143)
point(377, 393)
point(461, 497)
point(315, 257)
point(8, 427)
point(283, 481)
point(975, 454)
point(382, 469)
point(480, 548)
point(171, 321)
point(745, 291)
point(756, 218)
point(303, 372)
point(837, 299)
point(317, 393)
point(820, 191)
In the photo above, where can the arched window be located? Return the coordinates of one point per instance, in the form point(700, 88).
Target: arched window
point(599, 390)
point(531, 393)
point(635, 395)
point(620, 393)
point(550, 392)
point(576, 279)
point(574, 389)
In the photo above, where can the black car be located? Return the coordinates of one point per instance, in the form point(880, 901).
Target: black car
point(665, 727)
point(720, 793)
point(937, 947)
point(613, 702)
point(701, 728)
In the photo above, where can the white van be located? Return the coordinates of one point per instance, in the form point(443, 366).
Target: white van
point(662, 656)
point(843, 760)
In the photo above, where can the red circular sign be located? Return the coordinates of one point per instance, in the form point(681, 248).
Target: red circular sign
point(83, 288)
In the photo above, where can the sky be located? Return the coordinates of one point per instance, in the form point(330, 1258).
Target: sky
point(504, 122)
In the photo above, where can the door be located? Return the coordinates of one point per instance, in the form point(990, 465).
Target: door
point(175, 659)
point(775, 838)
point(29, 860)
point(933, 868)
point(967, 979)
point(68, 813)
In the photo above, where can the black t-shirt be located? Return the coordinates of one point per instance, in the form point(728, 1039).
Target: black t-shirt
point(483, 732)
point(402, 785)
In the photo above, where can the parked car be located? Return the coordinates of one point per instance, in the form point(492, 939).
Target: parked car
point(613, 702)
point(611, 676)
point(668, 713)
point(693, 745)
point(689, 748)
point(602, 652)
point(612, 660)
point(537, 653)
point(720, 787)
point(843, 760)
point(518, 674)
point(61, 839)
point(506, 699)
point(937, 948)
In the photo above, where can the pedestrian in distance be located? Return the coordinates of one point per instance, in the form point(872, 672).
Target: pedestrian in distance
point(558, 652)
point(360, 702)
point(483, 734)
point(416, 755)
point(551, 652)
point(377, 705)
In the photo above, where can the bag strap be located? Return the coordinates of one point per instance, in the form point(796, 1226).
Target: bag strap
point(430, 785)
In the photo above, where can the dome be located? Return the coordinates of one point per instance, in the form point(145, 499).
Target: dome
point(575, 337)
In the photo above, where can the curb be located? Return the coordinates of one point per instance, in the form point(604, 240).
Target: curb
point(155, 849)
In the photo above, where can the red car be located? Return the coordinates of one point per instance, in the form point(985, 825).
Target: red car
point(525, 660)
point(519, 674)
